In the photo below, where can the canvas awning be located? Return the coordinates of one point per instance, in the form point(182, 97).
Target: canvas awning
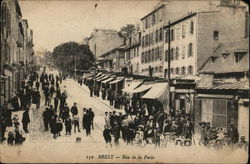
point(157, 90)
point(108, 80)
point(99, 74)
point(132, 86)
point(103, 78)
point(116, 81)
point(100, 77)
point(142, 88)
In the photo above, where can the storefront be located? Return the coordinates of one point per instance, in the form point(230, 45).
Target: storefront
point(117, 84)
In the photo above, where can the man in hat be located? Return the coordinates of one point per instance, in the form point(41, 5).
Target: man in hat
point(233, 134)
point(74, 109)
point(26, 120)
point(91, 117)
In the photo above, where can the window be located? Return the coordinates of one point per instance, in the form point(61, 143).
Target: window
point(149, 56)
point(216, 35)
point(166, 37)
point(183, 70)
point(224, 56)
point(156, 36)
point(166, 55)
point(171, 70)
point(146, 42)
point(146, 23)
point(191, 27)
point(142, 57)
point(172, 35)
point(160, 69)
point(177, 53)
point(157, 53)
point(160, 53)
point(183, 52)
point(142, 41)
point(153, 19)
point(190, 49)
point(238, 56)
point(183, 30)
point(177, 71)
point(172, 54)
point(190, 70)
point(213, 58)
point(160, 34)
point(153, 53)
point(146, 57)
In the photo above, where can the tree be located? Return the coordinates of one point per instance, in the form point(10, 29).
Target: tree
point(67, 55)
point(127, 30)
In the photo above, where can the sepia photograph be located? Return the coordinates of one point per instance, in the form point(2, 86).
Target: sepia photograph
point(124, 81)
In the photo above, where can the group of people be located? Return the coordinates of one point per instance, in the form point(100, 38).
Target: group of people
point(143, 126)
point(22, 100)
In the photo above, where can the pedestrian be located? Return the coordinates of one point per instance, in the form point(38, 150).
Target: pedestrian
point(107, 136)
point(26, 120)
point(55, 103)
point(103, 90)
point(233, 135)
point(107, 120)
point(65, 112)
point(37, 85)
point(87, 122)
point(36, 98)
point(19, 139)
point(8, 115)
point(74, 109)
point(46, 118)
point(68, 125)
point(46, 94)
point(116, 134)
point(16, 102)
point(91, 117)
point(76, 123)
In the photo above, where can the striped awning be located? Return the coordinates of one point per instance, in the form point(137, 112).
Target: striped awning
point(108, 80)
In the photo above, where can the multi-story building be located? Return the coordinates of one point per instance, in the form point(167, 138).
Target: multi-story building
point(114, 60)
point(194, 37)
point(102, 41)
point(132, 56)
point(13, 46)
point(152, 42)
point(223, 91)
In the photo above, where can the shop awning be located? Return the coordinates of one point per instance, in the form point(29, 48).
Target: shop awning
point(132, 86)
point(100, 77)
point(108, 80)
point(103, 78)
point(157, 90)
point(116, 81)
point(98, 74)
point(142, 88)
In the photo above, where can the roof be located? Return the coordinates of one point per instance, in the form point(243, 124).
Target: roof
point(18, 9)
point(240, 85)
point(153, 11)
point(223, 59)
point(157, 90)
point(122, 47)
point(108, 80)
point(173, 22)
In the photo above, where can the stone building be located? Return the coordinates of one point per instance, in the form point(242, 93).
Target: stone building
point(13, 56)
point(223, 92)
point(132, 56)
point(102, 41)
point(193, 39)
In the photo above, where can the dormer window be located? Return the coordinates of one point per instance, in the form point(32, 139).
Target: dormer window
point(213, 58)
point(216, 35)
point(224, 56)
point(238, 56)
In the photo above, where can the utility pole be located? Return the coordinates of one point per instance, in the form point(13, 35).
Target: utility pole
point(75, 65)
point(169, 78)
point(95, 67)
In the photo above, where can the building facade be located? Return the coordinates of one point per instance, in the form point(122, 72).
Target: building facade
point(13, 45)
point(132, 55)
point(102, 41)
point(193, 40)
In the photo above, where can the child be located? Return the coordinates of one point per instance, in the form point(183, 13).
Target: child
point(11, 138)
point(107, 136)
point(68, 126)
point(139, 137)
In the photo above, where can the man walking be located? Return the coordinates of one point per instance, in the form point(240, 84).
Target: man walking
point(91, 117)
point(26, 120)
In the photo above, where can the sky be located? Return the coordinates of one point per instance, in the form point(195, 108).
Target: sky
point(58, 21)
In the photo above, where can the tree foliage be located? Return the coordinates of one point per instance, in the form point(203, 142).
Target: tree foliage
point(127, 30)
point(66, 55)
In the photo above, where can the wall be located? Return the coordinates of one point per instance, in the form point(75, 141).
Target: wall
point(105, 40)
point(230, 23)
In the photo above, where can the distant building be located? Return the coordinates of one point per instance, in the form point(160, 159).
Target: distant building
point(114, 60)
point(132, 55)
point(102, 41)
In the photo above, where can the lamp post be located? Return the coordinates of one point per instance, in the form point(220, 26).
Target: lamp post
point(169, 62)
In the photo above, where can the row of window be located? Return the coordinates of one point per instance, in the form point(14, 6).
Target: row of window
point(152, 55)
point(152, 38)
point(134, 52)
point(153, 19)
point(154, 69)
point(5, 19)
point(175, 54)
point(181, 70)
point(174, 32)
